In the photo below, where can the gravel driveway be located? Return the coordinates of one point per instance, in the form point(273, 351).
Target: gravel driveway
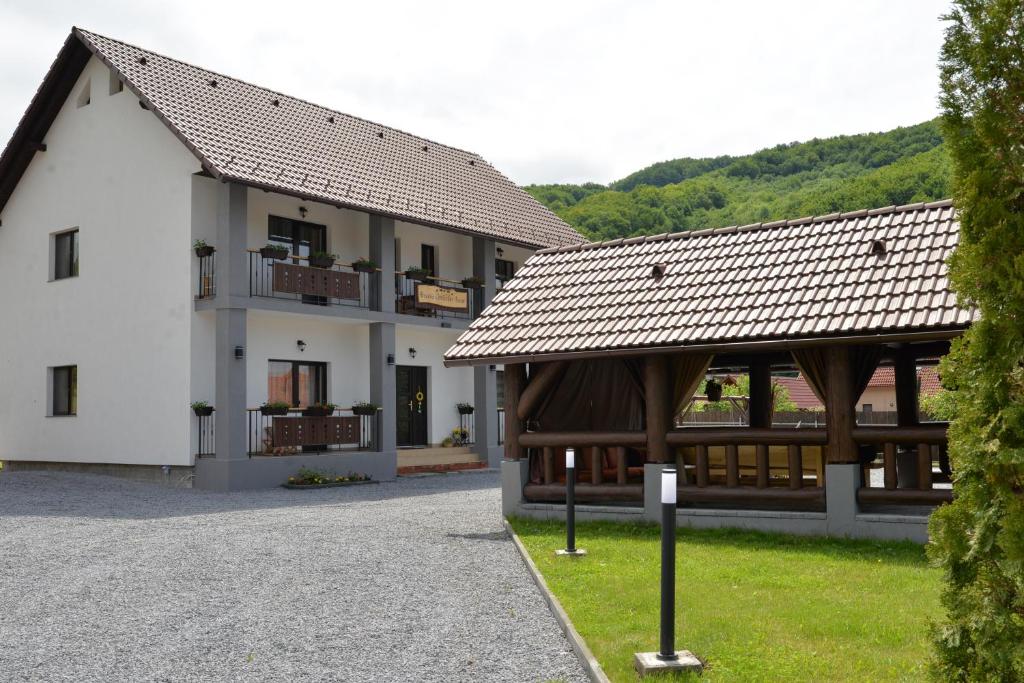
point(105, 579)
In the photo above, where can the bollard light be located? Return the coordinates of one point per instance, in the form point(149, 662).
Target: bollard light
point(667, 658)
point(570, 506)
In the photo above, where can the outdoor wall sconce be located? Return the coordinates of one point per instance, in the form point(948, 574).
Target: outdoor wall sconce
point(302, 211)
point(492, 368)
point(500, 252)
point(239, 352)
point(391, 359)
point(301, 344)
point(412, 352)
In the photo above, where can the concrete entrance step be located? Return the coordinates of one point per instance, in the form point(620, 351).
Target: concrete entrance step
point(437, 459)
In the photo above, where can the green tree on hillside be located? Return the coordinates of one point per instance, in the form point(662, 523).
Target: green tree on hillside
point(979, 539)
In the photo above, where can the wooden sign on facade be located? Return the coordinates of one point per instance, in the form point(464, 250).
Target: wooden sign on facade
point(291, 278)
point(311, 431)
point(444, 298)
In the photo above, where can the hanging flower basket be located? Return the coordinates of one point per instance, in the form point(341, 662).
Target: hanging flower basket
point(465, 409)
point(713, 390)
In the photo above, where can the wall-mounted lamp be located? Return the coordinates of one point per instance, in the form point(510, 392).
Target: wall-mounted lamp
point(302, 211)
point(239, 352)
point(301, 344)
point(492, 368)
point(500, 252)
point(391, 359)
point(412, 352)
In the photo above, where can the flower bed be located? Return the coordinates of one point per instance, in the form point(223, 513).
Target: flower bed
point(311, 479)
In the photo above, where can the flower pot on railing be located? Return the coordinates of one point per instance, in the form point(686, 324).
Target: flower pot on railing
point(318, 411)
point(465, 409)
point(417, 274)
point(274, 253)
point(203, 250)
point(202, 411)
point(364, 409)
point(472, 282)
point(322, 260)
point(274, 409)
point(363, 266)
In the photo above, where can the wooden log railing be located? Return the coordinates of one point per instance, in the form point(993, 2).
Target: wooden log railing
point(927, 441)
point(591, 447)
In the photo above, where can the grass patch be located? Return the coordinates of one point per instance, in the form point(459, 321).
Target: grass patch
point(755, 606)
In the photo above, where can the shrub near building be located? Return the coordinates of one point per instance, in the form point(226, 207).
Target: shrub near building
point(979, 539)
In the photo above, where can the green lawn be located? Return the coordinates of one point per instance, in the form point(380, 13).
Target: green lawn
point(755, 607)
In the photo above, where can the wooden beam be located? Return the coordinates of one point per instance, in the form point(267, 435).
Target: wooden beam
point(549, 465)
point(620, 465)
point(839, 406)
point(657, 401)
point(905, 372)
point(515, 380)
point(889, 462)
point(579, 439)
point(743, 436)
point(904, 496)
point(539, 386)
point(596, 460)
point(924, 466)
point(796, 466)
point(732, 466)
point(907, 436)
point(760, 393)
point(703, 476)
point(761, 459)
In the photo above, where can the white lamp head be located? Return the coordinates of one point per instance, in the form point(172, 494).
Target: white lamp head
point(668, 485)
point(570, 458)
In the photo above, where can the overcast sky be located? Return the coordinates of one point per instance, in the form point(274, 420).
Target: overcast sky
point(547, 91)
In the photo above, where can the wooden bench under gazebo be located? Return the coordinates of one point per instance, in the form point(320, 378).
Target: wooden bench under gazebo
point(605, 344)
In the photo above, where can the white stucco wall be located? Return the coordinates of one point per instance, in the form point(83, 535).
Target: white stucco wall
point(115, 172)
point(446, 386)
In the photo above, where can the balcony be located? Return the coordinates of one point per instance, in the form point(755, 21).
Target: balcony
point(296, 278)
point(290, 277)
point(300, 432)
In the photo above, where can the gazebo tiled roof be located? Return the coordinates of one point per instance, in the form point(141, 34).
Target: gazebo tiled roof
point(869, 273)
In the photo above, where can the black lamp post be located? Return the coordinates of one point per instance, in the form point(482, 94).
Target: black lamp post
point(667, 658)
point(570, 506)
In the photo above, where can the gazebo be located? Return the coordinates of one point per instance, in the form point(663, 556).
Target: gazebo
point(603, 344)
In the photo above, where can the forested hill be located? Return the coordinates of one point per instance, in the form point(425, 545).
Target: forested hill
point(818, 177)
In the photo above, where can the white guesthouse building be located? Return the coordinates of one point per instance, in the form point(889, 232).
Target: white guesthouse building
point(114, 324)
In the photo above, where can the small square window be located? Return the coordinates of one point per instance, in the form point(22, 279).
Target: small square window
point(64, 390)
point(65, 255)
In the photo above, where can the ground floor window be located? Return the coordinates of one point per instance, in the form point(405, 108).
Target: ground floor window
point(297, 383)
point(64, 390)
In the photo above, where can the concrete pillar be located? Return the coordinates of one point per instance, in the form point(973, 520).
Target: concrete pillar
point(231, 438)
point(483, 268)
point(382, 252)
point(841, 484)
point(514, 475)
point(382, 383)
point(652, 489)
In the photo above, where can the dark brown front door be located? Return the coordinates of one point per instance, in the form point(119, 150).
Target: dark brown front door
point(411, 384)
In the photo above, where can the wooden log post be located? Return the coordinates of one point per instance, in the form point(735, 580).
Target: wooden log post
point(761, 458)
point(549, 465)
point(702, 466)
point(658, 410)
point(540, 384)
point(796, 466)
point(905, 375)
point(761, 412)
point(839, 407)
point(889, 460)
point(596, 461)
point(620, 465)
point(732, 466)
point(515, 381)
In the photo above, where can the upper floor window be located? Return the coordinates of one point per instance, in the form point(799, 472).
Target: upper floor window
point(503, 271)
point(301, 238)
point(65, 255)
point(64, 390)
point(428, 259)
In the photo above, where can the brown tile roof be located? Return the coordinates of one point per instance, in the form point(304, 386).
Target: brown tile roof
point(800, 392)
point(258, 137)
point(781, 281)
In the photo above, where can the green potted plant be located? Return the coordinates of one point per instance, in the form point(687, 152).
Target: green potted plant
point(202, 249)
point(713, 390)
point(460, 436)
point(364, 408)
point(364, 265)
point(274, 252)
point(472, 282)
point(319, 410)
point(202, 408)
point(416, 273)
point(275, 408)
point(464, 408)
point(322, 259)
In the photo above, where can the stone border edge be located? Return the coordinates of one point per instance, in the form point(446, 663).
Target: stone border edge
point(579, 646)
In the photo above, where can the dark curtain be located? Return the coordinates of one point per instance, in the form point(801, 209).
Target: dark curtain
point(687, 371)
point(814, 366)
point(594, 395)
